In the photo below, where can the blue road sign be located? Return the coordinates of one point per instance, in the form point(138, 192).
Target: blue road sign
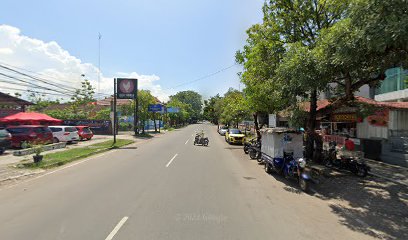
point(155, 108)
point(173, 110)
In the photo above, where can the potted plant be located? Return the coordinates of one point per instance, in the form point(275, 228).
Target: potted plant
point(38, 150)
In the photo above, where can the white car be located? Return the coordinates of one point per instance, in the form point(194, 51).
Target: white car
point(64, 134)
point(223, 130)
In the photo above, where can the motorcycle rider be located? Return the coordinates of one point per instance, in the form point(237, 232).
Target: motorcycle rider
point(349, 145)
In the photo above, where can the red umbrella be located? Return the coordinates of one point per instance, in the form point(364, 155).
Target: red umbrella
point(30, 118)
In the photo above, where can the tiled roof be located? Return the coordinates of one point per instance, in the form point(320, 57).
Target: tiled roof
point(321, 104)
point(6, 99)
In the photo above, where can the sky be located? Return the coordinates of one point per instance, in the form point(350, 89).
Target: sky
point(165, 44)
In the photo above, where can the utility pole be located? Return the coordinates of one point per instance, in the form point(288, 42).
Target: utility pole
point(99, 64)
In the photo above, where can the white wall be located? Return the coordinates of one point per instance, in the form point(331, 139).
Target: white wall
point(366, 130)
point(398, 120)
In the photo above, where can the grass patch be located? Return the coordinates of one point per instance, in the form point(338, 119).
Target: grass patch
point(144, 135)
point(60, 158)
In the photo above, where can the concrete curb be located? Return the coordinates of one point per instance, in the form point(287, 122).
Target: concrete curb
point(19, 176)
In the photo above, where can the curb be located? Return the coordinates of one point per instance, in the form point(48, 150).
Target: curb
point(19, 176)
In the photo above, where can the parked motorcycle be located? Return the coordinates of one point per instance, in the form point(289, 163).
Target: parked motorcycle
point(350, 162)
point(290, 167)
point(201, 140)
point(255, 151)
point(247, 145)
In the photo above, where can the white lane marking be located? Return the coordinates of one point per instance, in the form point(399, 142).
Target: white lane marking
point(186, 141)
point(168, 164)
point(116, 229)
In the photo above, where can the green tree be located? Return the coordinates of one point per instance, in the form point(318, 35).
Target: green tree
point(359, 49)
point(234, 107)
point(145, 98)
point(40, 102)
point(85, 94)
point(210, 112)
point(192, 98)
point(183, 115)
point(272, 45)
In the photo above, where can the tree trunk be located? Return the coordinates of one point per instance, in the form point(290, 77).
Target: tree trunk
point(258, 133)
point(154, 122)
point(143, 127)
point(311, 126)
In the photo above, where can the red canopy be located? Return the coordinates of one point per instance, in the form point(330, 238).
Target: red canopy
point(30, 118)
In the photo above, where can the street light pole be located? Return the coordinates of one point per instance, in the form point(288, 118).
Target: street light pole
point(99, 64)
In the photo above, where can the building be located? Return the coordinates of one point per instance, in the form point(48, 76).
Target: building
point(394, 88)
point(10, 105)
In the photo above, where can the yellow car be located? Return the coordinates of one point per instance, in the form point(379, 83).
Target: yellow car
point(234, 136)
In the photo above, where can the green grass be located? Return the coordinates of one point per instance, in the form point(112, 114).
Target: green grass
point(63, 157)
point(144, 135)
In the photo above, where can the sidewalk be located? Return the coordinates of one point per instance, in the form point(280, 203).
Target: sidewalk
point(389, 172)
point(9, 173)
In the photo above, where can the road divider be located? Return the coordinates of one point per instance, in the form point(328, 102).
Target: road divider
point(168, 164)
point(117, 228)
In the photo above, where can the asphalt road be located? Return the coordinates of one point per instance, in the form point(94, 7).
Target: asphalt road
point(166, 188)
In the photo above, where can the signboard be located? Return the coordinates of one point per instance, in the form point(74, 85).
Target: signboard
point(344, 117)
point(126, 88)
point(272, 120)
point(155, 108)
point(173, 110)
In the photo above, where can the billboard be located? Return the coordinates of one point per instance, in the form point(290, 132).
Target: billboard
point(126, 88)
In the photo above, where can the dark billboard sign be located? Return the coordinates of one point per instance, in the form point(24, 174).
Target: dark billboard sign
point(126, 88)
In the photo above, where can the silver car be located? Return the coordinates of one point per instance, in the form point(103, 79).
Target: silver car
point(222, 130)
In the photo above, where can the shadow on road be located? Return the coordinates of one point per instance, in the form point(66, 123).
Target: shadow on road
point(372, 206)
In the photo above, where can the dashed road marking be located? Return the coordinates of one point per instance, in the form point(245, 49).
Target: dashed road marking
point(117, 228)
point(168, 164)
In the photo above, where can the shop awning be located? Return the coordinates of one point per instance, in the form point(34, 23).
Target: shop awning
point(31, 118)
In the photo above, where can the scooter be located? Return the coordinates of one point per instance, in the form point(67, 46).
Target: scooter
point(255, 151)
point(247, 145)
point(354, 164)
point(290, 167)
point(199, 139)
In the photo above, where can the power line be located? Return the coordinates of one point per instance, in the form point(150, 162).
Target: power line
point(43, 80)
point(202, 78)
point(31, 91)
point(38, 79)
point(34, 85)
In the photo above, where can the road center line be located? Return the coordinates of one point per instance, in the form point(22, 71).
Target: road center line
point(187, 141)
point(116, 229)
point(168, 164)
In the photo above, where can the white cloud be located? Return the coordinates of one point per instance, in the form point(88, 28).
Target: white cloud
point(53, 62)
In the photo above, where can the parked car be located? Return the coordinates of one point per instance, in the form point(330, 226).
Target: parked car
point(5, 140)
point(223, 130)
point(235, 136)
point(84, 132)
point(24, 135)
point(64, 134)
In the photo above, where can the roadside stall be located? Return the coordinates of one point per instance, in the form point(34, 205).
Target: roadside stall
point(382, 135)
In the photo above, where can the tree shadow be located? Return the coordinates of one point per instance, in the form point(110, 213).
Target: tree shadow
point(371, 205)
